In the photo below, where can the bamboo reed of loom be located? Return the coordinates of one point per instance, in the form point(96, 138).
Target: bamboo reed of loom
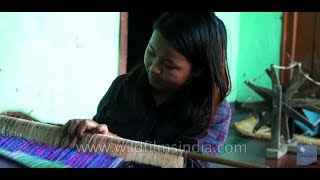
point(130, 150)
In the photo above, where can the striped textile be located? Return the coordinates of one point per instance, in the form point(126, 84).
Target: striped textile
point(15, 147)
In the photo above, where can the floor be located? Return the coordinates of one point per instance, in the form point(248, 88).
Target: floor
point(247, 149)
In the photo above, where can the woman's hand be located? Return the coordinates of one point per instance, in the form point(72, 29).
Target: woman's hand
point(77, 127)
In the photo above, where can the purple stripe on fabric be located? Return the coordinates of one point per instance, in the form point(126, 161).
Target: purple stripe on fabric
point(70, 157)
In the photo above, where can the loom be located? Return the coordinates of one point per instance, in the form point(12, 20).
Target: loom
point(49, 146)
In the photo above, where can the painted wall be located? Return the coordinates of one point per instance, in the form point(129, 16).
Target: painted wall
point(254, 42)
point(232, 23)
point(57, 65)
point(259, 47)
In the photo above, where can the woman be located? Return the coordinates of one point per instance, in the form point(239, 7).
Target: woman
point(177, 97)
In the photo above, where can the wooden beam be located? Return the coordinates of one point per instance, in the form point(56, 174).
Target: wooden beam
point(313, 108)
point(296, 115)
point(307, 92)
point(263, 120)
point(258, 106)
point(261, 91)
point(276, 115)
point(293, 88)
point(285, 127)
point(316, 51)
point(302, 102)
point(287, 35)
point(123, 42)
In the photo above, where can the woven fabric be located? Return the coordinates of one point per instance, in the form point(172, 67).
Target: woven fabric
point(39, 154)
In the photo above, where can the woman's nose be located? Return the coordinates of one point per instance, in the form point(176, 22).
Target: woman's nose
point(155, 69)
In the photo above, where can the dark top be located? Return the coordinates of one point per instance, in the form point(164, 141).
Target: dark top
point(164, 124)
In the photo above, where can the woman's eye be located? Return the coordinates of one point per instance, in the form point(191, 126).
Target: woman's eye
point(168, 64)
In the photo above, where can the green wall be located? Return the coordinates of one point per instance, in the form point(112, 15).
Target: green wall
point(232, 23)
point(57, 65)
point(254, 40)
point(259, 47)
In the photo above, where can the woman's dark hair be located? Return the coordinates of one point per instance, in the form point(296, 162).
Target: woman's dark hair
point(202, 38)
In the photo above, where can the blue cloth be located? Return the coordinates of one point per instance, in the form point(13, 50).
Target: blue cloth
point(313, 117)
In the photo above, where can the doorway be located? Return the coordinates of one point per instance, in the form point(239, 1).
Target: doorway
point(135, 40)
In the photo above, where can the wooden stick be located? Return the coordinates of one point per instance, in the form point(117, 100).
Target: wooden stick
point(294, 86)
point(296, 115)
point(307, 92)
point(313, 108)
point(261, 91)
point(302, 102)
point(222, 161)
point(263, 120)
point(258, 106)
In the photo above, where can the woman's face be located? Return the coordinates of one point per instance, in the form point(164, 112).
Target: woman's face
point(167, 69)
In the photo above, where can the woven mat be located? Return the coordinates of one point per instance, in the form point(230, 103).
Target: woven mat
point(246, 126)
